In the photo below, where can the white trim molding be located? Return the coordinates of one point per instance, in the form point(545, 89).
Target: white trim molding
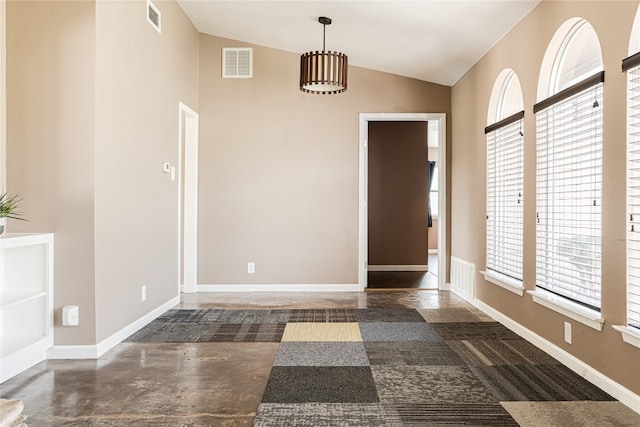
point(575, 311)
point(354, 287)
point(19, 361)
point(629, 335)
point(97, 350)
point(398, 268)
point(188, 191)
point(618, 391)
point(505, 282)
point(3, 97)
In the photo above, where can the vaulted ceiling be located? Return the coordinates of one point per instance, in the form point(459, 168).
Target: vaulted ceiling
point(435, 41)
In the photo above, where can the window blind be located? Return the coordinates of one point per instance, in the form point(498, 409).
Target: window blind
point(633, 196)
point(569, 194)
point(504, 197)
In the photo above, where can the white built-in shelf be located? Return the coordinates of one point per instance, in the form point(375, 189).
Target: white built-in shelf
point(12, 298)
point(10, 344)
point(26, 301)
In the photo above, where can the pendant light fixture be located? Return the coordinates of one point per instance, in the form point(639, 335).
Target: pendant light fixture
point(323, 72)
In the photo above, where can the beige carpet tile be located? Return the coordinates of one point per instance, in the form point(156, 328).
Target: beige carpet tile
point(453, 314)
point(309, 331)
point(572, 414)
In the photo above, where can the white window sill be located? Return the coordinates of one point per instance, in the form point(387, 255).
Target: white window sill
point(575, 311)
point(629, 335)
point(505, 282)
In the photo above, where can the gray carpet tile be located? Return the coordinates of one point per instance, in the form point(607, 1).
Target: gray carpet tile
point(429, 384)
point(214, 325)
point(382, 415)
point(448, 414)
point(388, 315)
point(248, 316)
point(398, 331)
point(251, 332)
point(332, 384)
point(411, 353)
point(500, 352)
point(474, 330)
point(208, 332)
point(296, 353)
point(537, 382)
point(186, 316)
point(157, 332)
point(224, 316)
point(322, 315)
point(320, 414)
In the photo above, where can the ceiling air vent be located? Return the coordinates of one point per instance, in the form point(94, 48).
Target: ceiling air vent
point(154, 17)
point(237, 62)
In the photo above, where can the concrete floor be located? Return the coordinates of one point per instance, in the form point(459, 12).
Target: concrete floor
point(220, 384)
point(203, 384)
point(406, 279)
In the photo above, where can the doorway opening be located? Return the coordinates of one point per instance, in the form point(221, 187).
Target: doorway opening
point(437, 258)
point(188, 199)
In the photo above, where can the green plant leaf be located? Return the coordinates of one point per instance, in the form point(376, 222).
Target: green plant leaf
point(9, 206)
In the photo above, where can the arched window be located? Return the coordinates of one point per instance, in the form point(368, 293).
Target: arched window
point(569, 171)
point(632, 67)
point(505, 182)
point(578, 58)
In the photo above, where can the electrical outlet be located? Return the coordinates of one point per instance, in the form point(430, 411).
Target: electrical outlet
point(251, 267)
point(567, 332)
point(70, 315)
point(144, 293)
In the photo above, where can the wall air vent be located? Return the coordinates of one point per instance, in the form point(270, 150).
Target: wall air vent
point(154, 17)
point(237, 62)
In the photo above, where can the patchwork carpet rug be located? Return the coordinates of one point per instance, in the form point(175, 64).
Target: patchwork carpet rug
point(384, 367)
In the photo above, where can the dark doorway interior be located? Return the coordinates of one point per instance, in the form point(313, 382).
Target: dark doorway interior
point(398, 177)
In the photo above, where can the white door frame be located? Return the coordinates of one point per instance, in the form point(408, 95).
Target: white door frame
point(188, 216)
point(3, 98)
point(365, 118)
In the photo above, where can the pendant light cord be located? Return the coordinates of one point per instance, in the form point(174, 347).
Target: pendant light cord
point(324, 34)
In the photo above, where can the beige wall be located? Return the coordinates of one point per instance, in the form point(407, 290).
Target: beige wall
point(278, 181)
point(93, 112)
point(523, 50)
point(50, 142)
point(141, 76)
point(433, 235)
point(397, 196)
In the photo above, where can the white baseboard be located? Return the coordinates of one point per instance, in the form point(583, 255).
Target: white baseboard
point(188, 289)
point(97, 350)
point(24, 359)
point(281, 288)
point(433, 251)
point(623, 394)
point(397, 267)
